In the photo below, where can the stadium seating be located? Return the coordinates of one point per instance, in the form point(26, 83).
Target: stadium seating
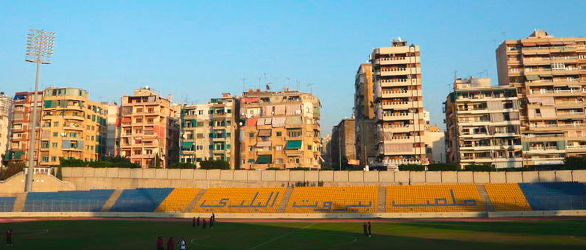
point(333, 199)
point(140, 199)
point(507, 197)
point(178, 200)
point(555, 195)
point(240, 200)
point(434, 198)
point(6, 204)
point(67, 201)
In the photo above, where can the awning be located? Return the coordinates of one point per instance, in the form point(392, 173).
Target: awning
point(264, 159)
point(187, 144)
point(293, 145)
point(264, 132)
point(294, 120)
point(251, 122)
point(532, 77)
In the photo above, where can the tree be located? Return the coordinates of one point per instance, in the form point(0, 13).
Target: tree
point(11, 169)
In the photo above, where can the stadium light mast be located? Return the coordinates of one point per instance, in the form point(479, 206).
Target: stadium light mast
point(39, 49)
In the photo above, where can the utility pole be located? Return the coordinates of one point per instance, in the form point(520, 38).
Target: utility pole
point(39, 49)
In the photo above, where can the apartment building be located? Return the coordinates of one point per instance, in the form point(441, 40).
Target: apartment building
point(343, 148)
point(398, 98)
point(279, 130)
point(435, 141)
point(364, 115)
point(483, 124)
point(149, 129)
point(549, 74)
point(72, 127)
point(112, 129)
point(209, 131)
point(5, 113)
point(20, 130)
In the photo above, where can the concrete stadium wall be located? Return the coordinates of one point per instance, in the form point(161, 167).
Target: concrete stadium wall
point(118, 178)
point(41, 182)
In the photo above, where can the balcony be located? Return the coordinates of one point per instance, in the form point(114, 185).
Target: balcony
point(570, 115)
point(402, 105)
point(397, 82)
point(398, 129)
point(396, 117)
point(405, 93)
point(398, 72)
point(413, 151)
point(393, 60)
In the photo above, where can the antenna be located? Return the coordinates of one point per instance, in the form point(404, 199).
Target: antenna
point(288, 82)
point(243, 84)
point(310, 87)
point(298, 85)
point(455, 75)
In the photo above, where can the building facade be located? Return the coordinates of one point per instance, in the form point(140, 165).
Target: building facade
point(20, 130)
point(279, 130)
point(209, 131)
point(5, 113)
point(483, 124)
point(549, 74)
point(364, 115)
point(112, 129)
point(343, 148)
point(149, 129)
point(435, 141)
point(398, 98)
point(72, 127)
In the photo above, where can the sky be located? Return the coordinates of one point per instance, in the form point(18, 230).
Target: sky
point(196, 50)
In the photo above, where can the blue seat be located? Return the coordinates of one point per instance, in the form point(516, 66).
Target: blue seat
point(67, 201)
point(6, 204)
point(140, 199)
point(555, 195)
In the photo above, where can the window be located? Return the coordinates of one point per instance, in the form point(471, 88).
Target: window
point(53, 158)
point(279, 133)
point(278, 148)
point(308, 147)
point(294, 133)
point(55, 134)
point(200, 112)
point(54, 145)
point(72, 134)
point(45, 158)
point(251, 135)
point(279, 161)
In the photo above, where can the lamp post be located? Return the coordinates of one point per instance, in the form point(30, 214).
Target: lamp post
point(39, 49)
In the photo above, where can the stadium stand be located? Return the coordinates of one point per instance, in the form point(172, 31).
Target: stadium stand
point(333, 199)
point(507, 197)
point(67, 201)
point(178, 200)
point(7, 203)
point(555, 195)
point(240, 200)
point(140, 199)
point(434, 198)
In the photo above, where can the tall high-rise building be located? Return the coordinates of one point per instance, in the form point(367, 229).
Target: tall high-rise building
point(22, 110)
point(398, 98)
point(149, 129)
point(279, 130)
point(112, 129)
point(364, 115)
point(72, 127)
point(483, 124)
point(549, 74)
point(209, 131)
point(5, 112)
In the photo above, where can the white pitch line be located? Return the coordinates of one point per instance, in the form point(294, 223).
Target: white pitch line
point(281, 236)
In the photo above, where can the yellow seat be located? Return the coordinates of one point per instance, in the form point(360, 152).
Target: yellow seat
point(361, 199)
point(507, 197)
point(178, 200)
point(434, 198)
point(240, 200)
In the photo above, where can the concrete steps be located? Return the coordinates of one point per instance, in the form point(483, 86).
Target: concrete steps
point(484, 196)
point(19, 202)
point(285, 200)
point(193, 203)
point(112, 200)
point(382, 198)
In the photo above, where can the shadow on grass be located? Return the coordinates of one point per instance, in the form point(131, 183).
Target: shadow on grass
point(113, 235)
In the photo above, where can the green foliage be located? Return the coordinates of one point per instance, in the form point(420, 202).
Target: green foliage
point(479, 168)
point(109, 162)
point(59, 173)
point(299, 168)
point(183, 165)
point(274, 168)
point(411, 167)
point(214, 164)
point(575, 163)
point(11, 169)
point(443, 167)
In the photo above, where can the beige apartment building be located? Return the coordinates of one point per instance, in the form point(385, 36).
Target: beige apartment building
point(22, 110)
point(364, 115)
point(549, 74)
point(149, 129)
point(398, 98)
point(5, 112)
point(72, 127)
point(209, 131)
point(279, 130)
point(112, 129)
point(483, 124)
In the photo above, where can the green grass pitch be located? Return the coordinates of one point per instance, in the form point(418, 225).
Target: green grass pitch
point(118, 234)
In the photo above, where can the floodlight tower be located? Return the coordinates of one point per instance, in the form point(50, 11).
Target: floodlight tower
point(39, 49)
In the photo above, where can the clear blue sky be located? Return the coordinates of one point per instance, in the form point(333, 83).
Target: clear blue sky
point(197, 50)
